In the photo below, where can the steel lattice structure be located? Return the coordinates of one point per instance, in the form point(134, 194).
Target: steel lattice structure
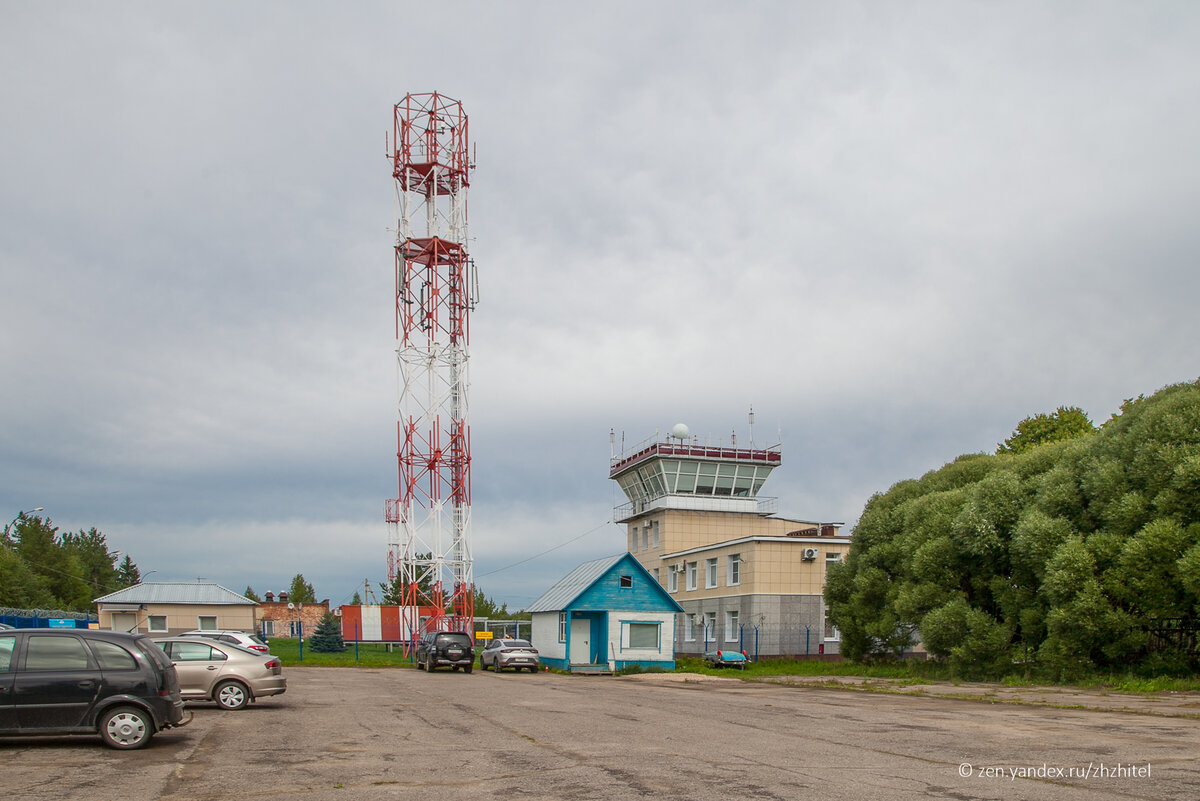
point(429, 525)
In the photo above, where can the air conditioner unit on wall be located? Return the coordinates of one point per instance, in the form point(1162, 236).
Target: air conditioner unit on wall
point(810, 554)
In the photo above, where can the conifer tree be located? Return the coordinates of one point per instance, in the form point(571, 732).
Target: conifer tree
point(327, 639)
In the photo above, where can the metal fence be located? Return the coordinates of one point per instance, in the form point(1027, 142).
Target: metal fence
point(46, 618)
point(758, 642)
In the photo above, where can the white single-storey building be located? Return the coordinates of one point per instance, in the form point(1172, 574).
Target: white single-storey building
point(605, 615)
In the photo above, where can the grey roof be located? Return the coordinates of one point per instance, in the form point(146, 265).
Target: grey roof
point(175, 592)
point(572, 585)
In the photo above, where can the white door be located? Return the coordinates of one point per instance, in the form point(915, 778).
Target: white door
point(124, 621)
point(581, 646)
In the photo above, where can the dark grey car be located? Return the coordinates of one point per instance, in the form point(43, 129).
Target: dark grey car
point(79, 681)
point(452, 649)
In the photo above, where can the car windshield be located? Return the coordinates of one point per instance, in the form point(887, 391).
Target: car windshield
point(453, 639)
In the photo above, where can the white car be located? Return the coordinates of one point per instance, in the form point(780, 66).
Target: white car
point(251, 641)
point(516, 654)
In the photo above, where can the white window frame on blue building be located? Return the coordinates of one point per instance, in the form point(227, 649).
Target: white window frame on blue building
point(627, 632)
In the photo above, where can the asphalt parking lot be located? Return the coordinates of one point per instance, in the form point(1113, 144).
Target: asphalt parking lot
point(345, 733)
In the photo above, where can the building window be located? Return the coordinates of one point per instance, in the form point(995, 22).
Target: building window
point(626, 582)
point(646, 538)
point(657, 577)
point(689, 628)
point(654, 534)
point(691, 575)
point(562, 626)
point(268, 628)
point(158, 623)
point(733, 571)
point(672, 579)
point(710, 573)
point(710, 626)
point(831, 631)
point(633, 537)
point(731, 627)
point(207, 623)
point(642, 635)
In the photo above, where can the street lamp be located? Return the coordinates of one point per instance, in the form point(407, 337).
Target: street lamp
point(21, 516)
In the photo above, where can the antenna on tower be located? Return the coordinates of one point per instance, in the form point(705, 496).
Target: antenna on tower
point(751, 418)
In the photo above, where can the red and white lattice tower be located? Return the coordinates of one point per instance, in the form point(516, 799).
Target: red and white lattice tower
point(429, 525)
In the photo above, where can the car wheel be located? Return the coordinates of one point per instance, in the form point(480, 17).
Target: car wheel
point(126, 727)
point(231, 695)
point(483, 665)
point(429, 664)
point(467, 668)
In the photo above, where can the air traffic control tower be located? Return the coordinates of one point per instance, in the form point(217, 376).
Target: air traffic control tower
point(746, 578)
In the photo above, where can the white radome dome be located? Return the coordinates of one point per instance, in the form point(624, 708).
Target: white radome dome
point(680, 431)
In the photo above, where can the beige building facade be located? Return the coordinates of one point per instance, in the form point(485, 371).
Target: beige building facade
point(167, 608)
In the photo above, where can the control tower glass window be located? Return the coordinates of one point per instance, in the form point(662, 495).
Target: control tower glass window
point(687, 477)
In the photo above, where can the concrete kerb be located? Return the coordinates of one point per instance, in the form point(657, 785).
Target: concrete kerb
point(1165, 704)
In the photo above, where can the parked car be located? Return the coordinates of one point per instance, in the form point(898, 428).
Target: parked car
point(251, 641)
point(516, 654)
point(735, 659)
point(6, 627)
point(117, 685)
point(231, 675)
point(438, 648)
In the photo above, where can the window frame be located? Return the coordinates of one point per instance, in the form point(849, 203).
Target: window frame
point(692, 570)
point(627, 628)
point(710, 573)
point(732, 625)
point(733, 570)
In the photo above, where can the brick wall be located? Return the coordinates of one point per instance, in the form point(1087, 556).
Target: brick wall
point(281, 618)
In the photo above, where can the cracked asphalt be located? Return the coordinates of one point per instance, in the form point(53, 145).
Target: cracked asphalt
point(345, 733)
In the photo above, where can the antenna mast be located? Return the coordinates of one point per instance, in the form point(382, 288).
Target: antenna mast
point(429, 525)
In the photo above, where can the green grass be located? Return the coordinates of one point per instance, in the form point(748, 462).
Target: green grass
point(910, 670)
point(369, 655)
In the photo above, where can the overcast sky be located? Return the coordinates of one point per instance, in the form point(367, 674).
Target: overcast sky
point(896, 229)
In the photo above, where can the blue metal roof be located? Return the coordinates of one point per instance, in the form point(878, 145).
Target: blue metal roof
point(572, 585)
point(586, 586)
point(175, 592)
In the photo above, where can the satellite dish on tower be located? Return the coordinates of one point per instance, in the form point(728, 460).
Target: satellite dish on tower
point(680, 432)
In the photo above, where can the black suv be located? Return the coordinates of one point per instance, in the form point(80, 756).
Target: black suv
point(79, 681)
point(453, 648)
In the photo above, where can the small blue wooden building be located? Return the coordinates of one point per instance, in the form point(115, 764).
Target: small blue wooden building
point(605, 615)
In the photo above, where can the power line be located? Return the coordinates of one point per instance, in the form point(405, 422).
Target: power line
point(548, 550)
